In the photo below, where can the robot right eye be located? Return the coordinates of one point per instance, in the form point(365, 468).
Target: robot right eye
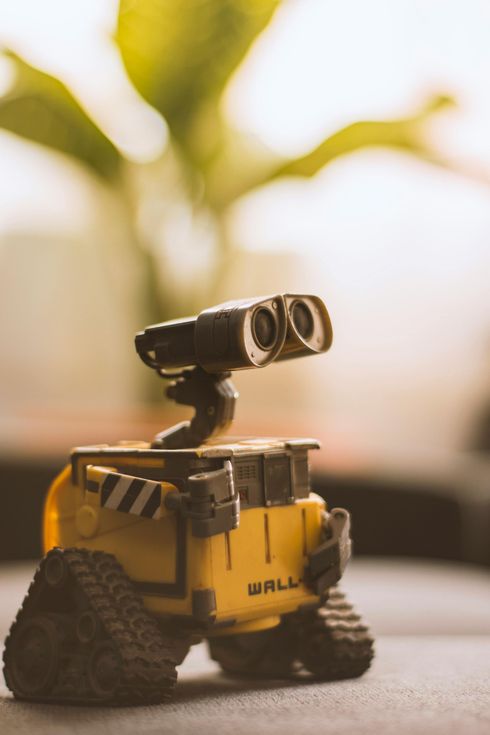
point(302, 319)
point(309, 327)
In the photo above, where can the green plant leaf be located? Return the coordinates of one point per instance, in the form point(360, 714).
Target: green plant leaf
point(405, 134)
point(40, 108)
point(180, 54)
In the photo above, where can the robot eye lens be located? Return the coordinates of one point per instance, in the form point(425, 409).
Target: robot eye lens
point(264, 328)
point(302, 319)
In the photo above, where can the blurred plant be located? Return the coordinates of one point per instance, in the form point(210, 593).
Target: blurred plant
point(180, 55)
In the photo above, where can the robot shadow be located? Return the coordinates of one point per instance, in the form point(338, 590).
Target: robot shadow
point(200, 687)
point(218, 684)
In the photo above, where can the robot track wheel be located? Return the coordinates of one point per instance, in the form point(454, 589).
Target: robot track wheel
point(329, 643)
point(83, 636)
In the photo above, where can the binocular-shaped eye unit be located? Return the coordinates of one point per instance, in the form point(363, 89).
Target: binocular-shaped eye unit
point(241, 334)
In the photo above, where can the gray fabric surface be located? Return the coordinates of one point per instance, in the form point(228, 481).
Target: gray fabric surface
point(431, 673)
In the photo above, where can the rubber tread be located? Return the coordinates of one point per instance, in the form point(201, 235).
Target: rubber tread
point(334, 642)
point(96, 581)
point(331, 642)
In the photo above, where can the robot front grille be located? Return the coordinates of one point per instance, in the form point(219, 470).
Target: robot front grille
point(246, 472)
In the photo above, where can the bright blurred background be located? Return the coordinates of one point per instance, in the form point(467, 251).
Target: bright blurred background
point(161, 156)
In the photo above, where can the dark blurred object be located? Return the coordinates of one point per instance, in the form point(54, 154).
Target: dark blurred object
point(396, 517)
point(480, 440)
point(23, 487)
point(444, 518)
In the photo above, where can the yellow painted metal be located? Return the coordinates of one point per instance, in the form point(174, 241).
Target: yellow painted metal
point(123, 460)
point(249, 626)
point(266, 552)
point(255, 570)
point(87, 521)
point(98, 474)
point(60, 508)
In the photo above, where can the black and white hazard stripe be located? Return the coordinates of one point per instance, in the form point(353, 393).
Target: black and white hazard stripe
point(131, 495)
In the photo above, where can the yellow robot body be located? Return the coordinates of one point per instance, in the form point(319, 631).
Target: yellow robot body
point(236, 580)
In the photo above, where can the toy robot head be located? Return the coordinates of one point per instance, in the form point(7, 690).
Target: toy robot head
point(246, 333)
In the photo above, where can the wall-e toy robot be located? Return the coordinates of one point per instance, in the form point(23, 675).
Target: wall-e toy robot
point(151, 547)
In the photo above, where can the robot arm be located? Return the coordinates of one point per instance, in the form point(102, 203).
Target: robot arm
point(327, 562)
point(209, 500)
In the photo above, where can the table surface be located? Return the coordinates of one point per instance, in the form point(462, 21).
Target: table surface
point(431, 673)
